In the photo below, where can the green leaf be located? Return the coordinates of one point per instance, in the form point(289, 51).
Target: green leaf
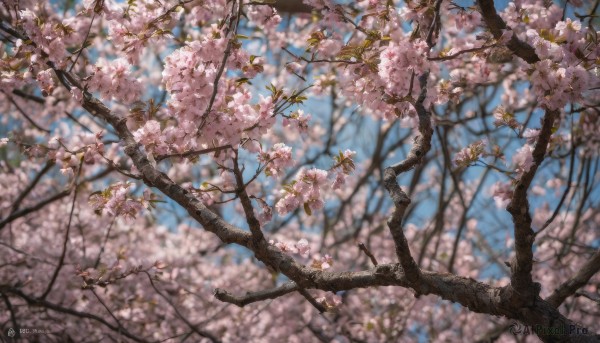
point(242, 80)
point(307, 209)
point(95, 193)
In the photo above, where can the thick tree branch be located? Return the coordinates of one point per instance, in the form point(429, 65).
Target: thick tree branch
point(518, 207)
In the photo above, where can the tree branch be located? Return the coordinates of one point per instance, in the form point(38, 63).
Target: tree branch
point(423, 140)
point(17, 203)
point(292, 6)
point(369, 254)
point(522, 264)
point(23, 212)
point(67, 231)
point(257, 235)
point(569, 287)
point(401, 200)
point(192, 153)
point(496, 25)
point(249, 298)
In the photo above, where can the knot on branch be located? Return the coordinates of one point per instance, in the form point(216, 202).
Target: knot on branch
point(524, 298)
point(220, 294)
point(224, 296)
point(383, 269)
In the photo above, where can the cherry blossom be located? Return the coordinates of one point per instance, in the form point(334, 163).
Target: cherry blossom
point(470, 154)
point(523, 159)
point(113, 80)
point(502, 193)
point(299, 171)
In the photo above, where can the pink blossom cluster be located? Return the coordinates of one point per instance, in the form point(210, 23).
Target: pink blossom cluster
point(306, 190)
point(384, 88)
point(302, 247)
point(531, 135)
point(46, 81)
point(399, 60)
point(115, 200)
point(151, 136)
point(562, 75)
point(323, 262)
point(206, 11)
point(69, 164)
point(246, 120)
point(502, 192)
point(330, 300)
point(189, 73)
point(94, 149)
point(329, 48)
point(47, 39)
point(343, 167)
point(90, 151)
point(189, 76)
point(470, 154)
point(503, 117)
point(265, 17)
point(131, 27)
point(523, 159)
point(114, 81)
point(323, 83)
point(298, 120)
point(278, 158)
point(266, 214)
point(525, 14)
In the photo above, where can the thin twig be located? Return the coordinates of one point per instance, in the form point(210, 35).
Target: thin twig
point(25, 114)
point(66, 240)
point(364, 249)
